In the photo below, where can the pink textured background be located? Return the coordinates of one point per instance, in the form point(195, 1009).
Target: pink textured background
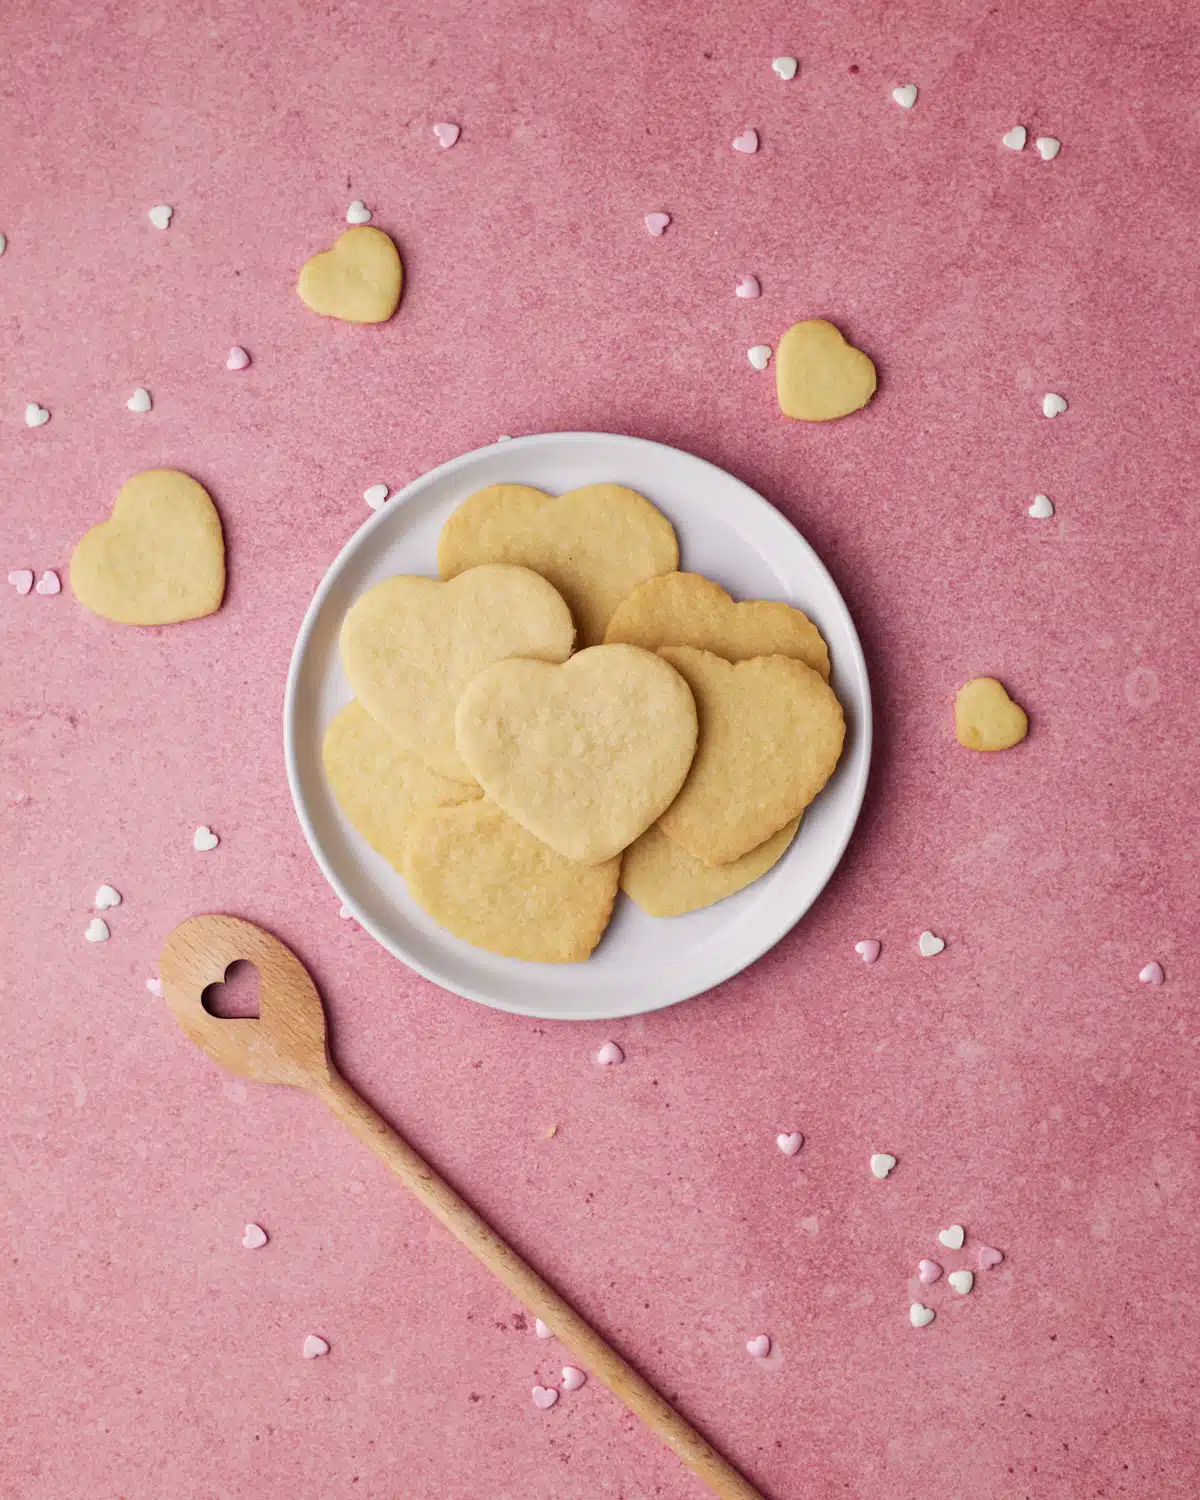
point(1030, 1086)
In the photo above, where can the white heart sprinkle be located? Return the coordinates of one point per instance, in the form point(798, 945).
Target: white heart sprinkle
point(21, 579)
point(1042, 508)
point(609, 1055)
point(930, 945)
point(759, 356)
point(544, 1397)
point(572, 1378)
point(747, 142)
point(48, 583)
point(759, 1346)
point(140, 400)
point(920, 1317)
point(97, 931)
point(505, 437)
point(1015, 138)
point(204, 839)
point(952, 1238)
point(906, 95)
point(375, 495)
point(35, 415)
point(446, 134)
point(1048, 147)
point(882, 1164)
point(748, 287)
point(155, 987)
point(106, 897)
point(254, 1237)
point(785, 67)
point(790, 1144)
point(358, 213)
point(961, 1281)
point(1152, 974)
point(344, 912)
point(238, 358)
point(1052, 405)
point(541, 1329)
point(313, 1347)
point(3, 244)
point(160, 215)
point(869, 949)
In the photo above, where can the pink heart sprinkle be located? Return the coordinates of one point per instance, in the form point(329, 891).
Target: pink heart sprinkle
point(988, 1257)
point(572, 1378)
point(541, 1329)
point(748, 287)
point(313, 1347)
point(48, 583)
point(155, 987)
point(254, 1237)
point(746, 142)
point(446, 134)
point(1151, 974)
point(790, 1144)
point(868, 950)
point(543, 1397)
point(759, 1347)
point(21, 579)
point(929, 1271)
point(657, 224)
point(238, 359)
point(609, 1055)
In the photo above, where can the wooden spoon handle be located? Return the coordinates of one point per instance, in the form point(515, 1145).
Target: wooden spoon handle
point(538, 1296)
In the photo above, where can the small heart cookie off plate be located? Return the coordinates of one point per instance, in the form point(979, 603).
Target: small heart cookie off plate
point(725, 531)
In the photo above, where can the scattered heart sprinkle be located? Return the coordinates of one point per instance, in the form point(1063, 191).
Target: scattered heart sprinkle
point(505, 437)
point(544, 1397)
point(785, 67)
point(358, 213)
point(759, 1346)
point(254, 1237)
point(790, 1144)
point(609, 1055)
point(313, 1347)
point(928, 1271)
point(344, 912)
point(541, 1329)
point(953, 1237)
point(35, 415)
point(204, 839)
point(759, 356)
point(572, 1378)
point(882, 1164)
point(748, 287)
point(1015, 138)
point(657, 224)
point(868, 950)
point(21, 579)
point(106, 896)
point(1052, 405)
point(747, 142)
point(140, 400)
point(906, 95)
point(988, 1257)
point(446, 134)
point(920, 1317)
point(238, 358)
point(155, 987)
point(97, 931)
point(1048, 147)
point(375, 495)
point(930, 945)
point(48, 583)
point(1042, 508)
point(160, 215)
point(1152, 974)
point(3, 244)
point(961, 1281)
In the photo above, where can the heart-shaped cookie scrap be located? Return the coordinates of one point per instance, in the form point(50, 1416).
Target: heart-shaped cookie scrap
point(986, 718)
point(818, 375)
point(410, 645)
point(771, 733)
point(357, 280)
point(666, 881)
point(594, 544)
point(489, 882)
point(585, 755)
point(687, 609)
point(379, 787)
point(158, 559)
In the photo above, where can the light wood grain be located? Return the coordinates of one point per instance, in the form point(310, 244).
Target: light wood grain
point(287, 1044)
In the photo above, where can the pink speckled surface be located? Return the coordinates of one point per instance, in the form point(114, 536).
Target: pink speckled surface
point(1032, 1089)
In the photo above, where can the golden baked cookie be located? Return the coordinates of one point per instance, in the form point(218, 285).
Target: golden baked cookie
point(818, 375)
point(358, 279)
point(666, 881)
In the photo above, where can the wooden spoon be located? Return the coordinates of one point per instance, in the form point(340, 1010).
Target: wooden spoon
point(286, 1044)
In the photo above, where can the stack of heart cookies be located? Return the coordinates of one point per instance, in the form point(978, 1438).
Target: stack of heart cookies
point(565, 714)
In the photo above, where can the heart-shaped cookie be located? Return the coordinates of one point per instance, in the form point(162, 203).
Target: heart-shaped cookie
point(687, 609)
point(586, 755)
point(986, 718)
point(358, 279)
point(818, 375)
point(666, 881)
point(771, 732)
point(158, 559)
point(379, 787)
point(593, 544)
point(494, 885)
point(410, 645)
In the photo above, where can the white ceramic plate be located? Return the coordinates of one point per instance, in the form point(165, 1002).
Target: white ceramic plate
point(726, 531)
